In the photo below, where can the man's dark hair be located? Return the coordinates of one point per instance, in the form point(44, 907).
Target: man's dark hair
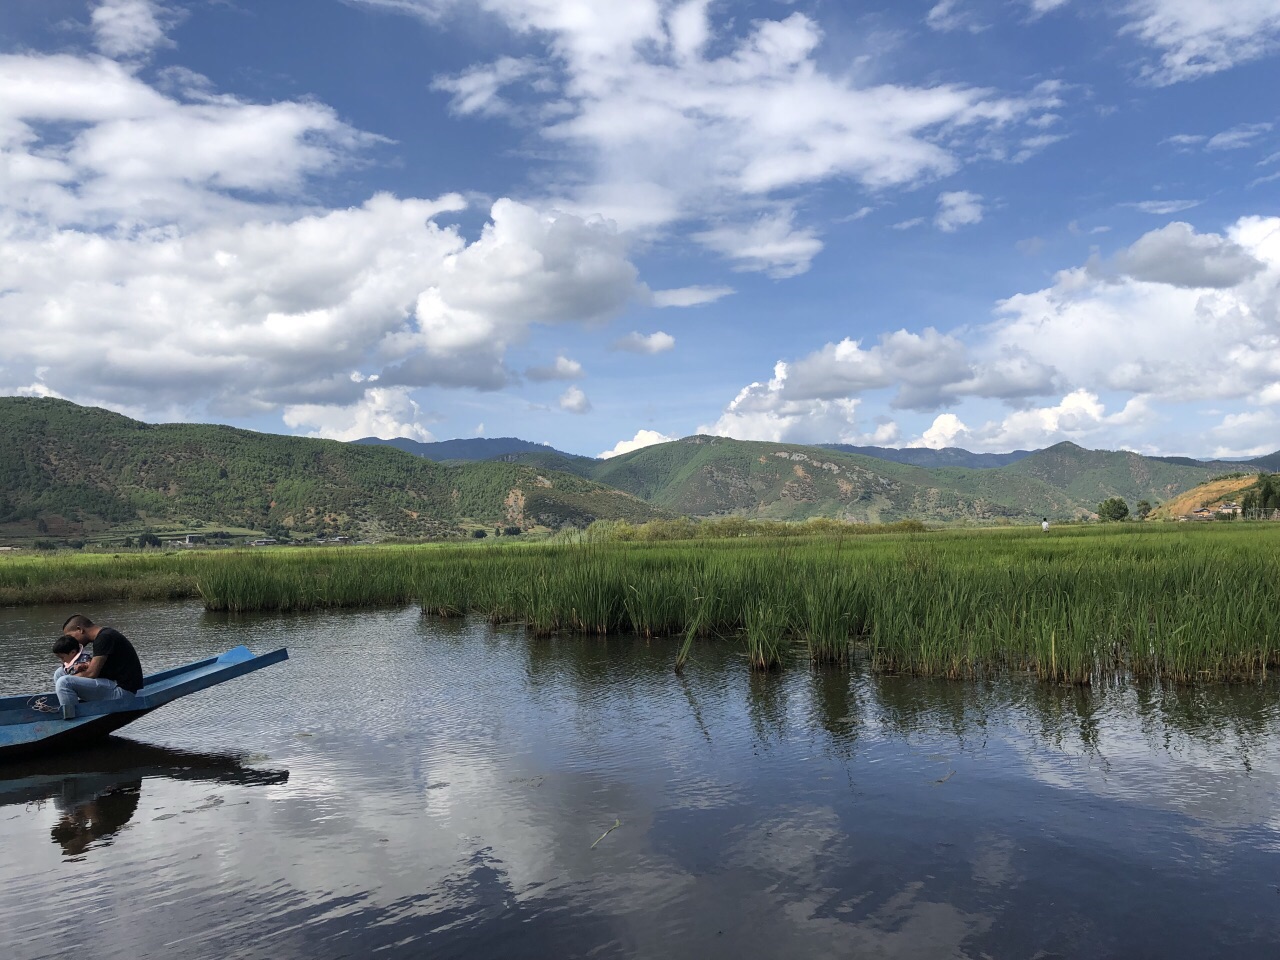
point(66, 645)
point(77, 621)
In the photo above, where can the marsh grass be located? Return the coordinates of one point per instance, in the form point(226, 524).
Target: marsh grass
point(1078, 606)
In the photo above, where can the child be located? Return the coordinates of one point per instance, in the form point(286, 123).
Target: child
point(72, 655)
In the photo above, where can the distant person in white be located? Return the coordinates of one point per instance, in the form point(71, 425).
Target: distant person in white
point(1044, 524)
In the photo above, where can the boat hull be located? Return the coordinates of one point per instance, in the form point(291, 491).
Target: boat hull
point(27, 732)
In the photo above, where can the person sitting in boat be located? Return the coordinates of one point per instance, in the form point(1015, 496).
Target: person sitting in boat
point(72, 653)
point(113, 671)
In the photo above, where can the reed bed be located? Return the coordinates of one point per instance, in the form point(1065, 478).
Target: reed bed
point(1076, 606)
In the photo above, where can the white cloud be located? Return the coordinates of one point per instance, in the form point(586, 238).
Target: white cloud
point(1164, 207)
point(264, 313)
point(927, 370)
point(574, 401)
point(657, 342)
point(1238, 137)
point(908, 224)
point(1079, 417)
point(771, 244)
point(478, 89)
point(682, 112)
point(1040, 7)
point(957, 209)
point(762, 411)
point(561, 369)
point(527, 267)
point(379, 412)
point(1248, 434)
point(1179, 256)
point(947, 15)
point(689, 296)
point(86, 142)
point(947, 430)
point(154, 255)
point(643, 438)
point(1178, 316)
point(130, 28)
point(37, 389)
point(1196, 38)
point(1030, 146)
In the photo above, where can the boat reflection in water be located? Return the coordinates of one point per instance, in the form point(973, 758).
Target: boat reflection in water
point(96, 792)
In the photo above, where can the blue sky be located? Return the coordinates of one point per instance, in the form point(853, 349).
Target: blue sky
point(994, 224)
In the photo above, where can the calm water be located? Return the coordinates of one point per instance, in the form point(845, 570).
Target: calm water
point(407, 787)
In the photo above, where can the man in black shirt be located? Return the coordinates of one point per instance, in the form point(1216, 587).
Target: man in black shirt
point(114, 671)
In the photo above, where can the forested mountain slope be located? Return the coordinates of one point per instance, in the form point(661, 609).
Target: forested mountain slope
point(86, 469)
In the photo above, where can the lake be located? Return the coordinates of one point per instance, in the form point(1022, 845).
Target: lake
point(410, 787)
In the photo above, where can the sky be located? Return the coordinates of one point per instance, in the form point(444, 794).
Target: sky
point(993, 224)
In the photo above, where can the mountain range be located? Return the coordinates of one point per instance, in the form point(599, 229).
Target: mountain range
point(81, 471)
point(711, 476)
point(74, 471)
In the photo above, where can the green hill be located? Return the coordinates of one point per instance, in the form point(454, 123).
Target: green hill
point(709, 476)
point(1090, 476)
point(80, 471)
point(706, 476)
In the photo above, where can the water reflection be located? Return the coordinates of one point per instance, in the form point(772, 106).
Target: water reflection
point(96, 792)
point(98, 816)
point(440, 788)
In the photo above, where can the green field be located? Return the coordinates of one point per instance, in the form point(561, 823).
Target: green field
point(1179, 602)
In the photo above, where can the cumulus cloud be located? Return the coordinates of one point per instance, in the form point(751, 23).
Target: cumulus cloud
point(154, 255)
point(86, 142)
point(1176, 317)
point(657, 342)
point(1079, 417)
point(1251, 433)
point(561, 369)
point(763, 411)
point(1198, 39)
point(928, 370)
point(643, 438)
point(574, 401)
point(261, 314)
point(1179, 256)
point(386, 412)
point(682, 112)
point(130, 28)
point(689, 296)
point(947, 430)
point(956, 209)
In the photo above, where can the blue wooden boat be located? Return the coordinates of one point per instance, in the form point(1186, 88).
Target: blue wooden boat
point(28, 728)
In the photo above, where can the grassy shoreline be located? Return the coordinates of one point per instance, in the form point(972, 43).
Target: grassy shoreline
point(1078, 605)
